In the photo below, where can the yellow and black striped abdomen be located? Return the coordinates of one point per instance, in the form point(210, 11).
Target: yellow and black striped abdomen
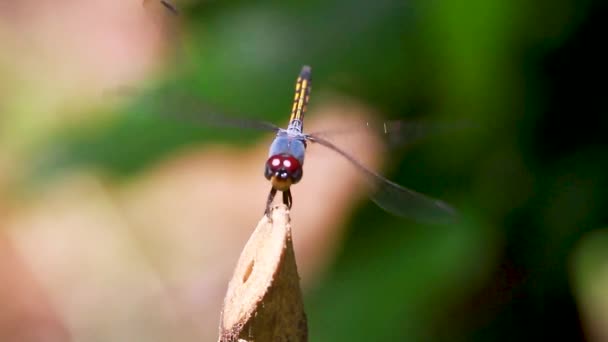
point(300, 100)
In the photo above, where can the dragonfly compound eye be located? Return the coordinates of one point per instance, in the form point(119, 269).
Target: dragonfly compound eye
point(283, 170)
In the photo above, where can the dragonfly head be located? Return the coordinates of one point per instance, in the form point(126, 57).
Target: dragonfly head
point(283, 170)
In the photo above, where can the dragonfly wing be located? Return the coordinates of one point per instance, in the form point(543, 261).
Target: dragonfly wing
point(171, 7)
point(188, 108)
point(405, 130)
point(185, 107)
point(402, 201)
point(394, 198)
point(398, 132)
point(166, 4)
point(209, 118)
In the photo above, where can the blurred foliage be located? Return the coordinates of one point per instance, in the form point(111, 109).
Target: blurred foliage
point(529, 184)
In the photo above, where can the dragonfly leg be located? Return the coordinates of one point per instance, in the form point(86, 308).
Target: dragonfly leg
point(271, 195)
point(287, 198)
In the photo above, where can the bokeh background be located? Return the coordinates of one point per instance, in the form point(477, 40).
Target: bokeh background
point(121, 221)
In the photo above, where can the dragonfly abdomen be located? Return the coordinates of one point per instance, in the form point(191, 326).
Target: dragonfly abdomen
point(300, 100)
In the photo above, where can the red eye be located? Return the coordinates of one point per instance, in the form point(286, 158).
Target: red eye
point(283, 166)
point(283, 162)
point(275, 162)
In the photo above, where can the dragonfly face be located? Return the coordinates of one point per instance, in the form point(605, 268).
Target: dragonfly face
point(285, 161)
point(283, 171)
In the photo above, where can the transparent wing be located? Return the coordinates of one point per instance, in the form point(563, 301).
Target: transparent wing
point(188, 108)
point(207, 116)
point(166, 4)
point(171, 7)
point(394, 198)
point(398, 132)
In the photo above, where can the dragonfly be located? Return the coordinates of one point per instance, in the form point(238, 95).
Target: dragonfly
point(285, 162)
point(284, 166)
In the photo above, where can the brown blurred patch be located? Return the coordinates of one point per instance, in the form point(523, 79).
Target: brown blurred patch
point(27, 313)
point(588, 268)
point(58, 59)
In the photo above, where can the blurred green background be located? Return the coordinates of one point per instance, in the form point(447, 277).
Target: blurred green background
point(530, 179)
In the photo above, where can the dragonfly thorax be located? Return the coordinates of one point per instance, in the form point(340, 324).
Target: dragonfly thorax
point(283, 170)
